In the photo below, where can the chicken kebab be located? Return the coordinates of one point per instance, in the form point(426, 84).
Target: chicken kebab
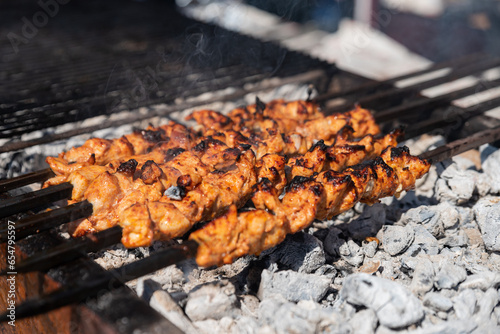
point(157, 183)
point(320, 196)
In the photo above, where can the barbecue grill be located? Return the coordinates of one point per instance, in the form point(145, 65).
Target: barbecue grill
point(89, 83)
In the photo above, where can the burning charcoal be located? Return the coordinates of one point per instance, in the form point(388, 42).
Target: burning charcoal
point(162, 302)
point(452, 326)
point(303, 317)
point(364, 321)
point(487, 303)
point(300, 252)
point(424, 243)
point(464, 304)
point(368, 223)
point(449, 276)
point(396, 239)
point(483, 281)
point(455, 238)
point(487, 212)
point(146, 287)
point(351, 253)
point(426, 216)
point(437, 302)
point(370, 248)
point(395, 306)
point(212, 301)
point(490, 160)
point(249, 305)
point(333, 241)
point(293, 286)
point(454, 185)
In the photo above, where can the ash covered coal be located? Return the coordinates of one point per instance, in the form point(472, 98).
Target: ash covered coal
point(431, 266)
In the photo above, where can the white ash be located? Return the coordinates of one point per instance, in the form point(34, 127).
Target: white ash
point(487, 213)
point(396, 239)
point(394, 305)
point(293, 286)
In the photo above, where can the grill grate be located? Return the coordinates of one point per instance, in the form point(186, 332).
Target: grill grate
point(114, 67)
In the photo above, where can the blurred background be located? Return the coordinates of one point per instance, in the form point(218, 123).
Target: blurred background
point(365, 33)
point(435, 29)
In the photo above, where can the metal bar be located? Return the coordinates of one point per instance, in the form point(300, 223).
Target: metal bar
point(34, 199)
point(47, 220)
point(23, 180)
point(376, 84)
point(392, 96)
point(69, 251)
point(104, 281)
point(404, 110)
point(454, 117)
point(454, 75)
point(462, 145)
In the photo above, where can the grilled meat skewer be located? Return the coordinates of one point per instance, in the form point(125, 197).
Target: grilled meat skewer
point(321, 196)
point(155, 202)
point(130, 194)
point(162, 192)
point(341, 154)
point(265, 131)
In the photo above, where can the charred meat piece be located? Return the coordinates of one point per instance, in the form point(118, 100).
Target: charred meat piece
point(98, 151)
point(146, 198)
point(341, 154)
point(307, 198)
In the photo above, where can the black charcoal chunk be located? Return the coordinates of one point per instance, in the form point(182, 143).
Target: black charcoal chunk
point(300, 252)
